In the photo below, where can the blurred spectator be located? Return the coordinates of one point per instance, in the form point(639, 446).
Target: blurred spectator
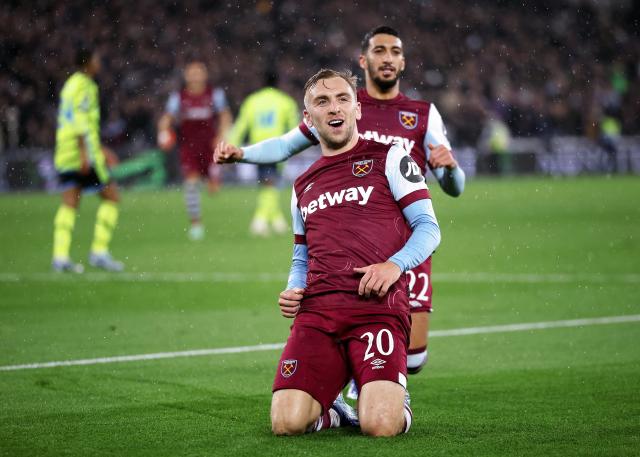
point(494, 141)
point(544, 68)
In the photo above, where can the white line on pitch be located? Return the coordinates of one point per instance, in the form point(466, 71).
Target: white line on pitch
point(231, 277)
point(270, 347)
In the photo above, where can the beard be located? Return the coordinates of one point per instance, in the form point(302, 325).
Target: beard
point(340, 142)
point(383, 84)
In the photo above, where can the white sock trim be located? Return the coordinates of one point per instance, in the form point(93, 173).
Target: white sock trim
point(417, 360)
point(192, 199)
point(408, 418)
point(316, 426)
point(335, 418)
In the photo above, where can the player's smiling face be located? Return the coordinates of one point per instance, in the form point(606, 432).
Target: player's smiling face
point(332, 108)
point(383, 62)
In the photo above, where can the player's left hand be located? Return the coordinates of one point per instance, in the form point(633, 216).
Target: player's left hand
point(440, 156)
point(378, 278)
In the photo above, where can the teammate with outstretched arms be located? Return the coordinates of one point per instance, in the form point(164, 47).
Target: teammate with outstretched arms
point(388, 116)
point(362, 216)
point(203, 117)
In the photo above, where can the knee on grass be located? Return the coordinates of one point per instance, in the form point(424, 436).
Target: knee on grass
point(284, 423)
point(293, 412)
point(382, 425)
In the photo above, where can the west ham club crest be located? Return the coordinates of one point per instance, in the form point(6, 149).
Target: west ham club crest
point(288, 368)
point(362, 168)
point(408, 119)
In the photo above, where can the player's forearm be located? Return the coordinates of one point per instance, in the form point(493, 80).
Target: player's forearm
point(425, 237)
point(298, 271)
point(276, 149)
point(451, 180)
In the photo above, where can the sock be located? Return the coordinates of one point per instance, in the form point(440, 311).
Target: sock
point(263, 204)
point(272, 204)
point(63, 224)
point(328, 419)
point(408, 418)
point(416, 359)
point(106, 220)
point(192, 198)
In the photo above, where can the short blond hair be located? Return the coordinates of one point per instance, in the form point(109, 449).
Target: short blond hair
point(327, 73)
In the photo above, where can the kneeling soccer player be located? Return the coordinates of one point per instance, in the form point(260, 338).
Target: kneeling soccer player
point(362, 216)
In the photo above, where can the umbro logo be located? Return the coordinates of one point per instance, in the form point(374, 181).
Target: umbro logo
point(307, 188)
point(378, 364)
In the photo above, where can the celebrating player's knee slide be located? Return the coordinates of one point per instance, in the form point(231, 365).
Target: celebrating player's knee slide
point(362, 216)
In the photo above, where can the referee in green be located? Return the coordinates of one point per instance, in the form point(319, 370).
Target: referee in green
point(81, 164)
point(266, 113)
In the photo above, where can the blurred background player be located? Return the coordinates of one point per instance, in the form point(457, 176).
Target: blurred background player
point(81, 163)
point(266, 113)
point(203, 117)
point(387, 116)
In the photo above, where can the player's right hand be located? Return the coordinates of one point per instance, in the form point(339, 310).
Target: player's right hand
point(289, 302)
point(378, 278)
point(227, 153)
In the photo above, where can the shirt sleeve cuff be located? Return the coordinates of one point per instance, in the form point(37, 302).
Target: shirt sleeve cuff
point(422, 194)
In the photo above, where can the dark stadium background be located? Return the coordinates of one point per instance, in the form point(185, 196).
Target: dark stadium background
point(552, 70)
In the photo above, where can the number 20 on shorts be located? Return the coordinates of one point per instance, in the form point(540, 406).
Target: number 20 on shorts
point(383, 341)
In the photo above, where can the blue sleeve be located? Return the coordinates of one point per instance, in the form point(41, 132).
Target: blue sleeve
point(173, 104)
point(424, 239)
point(298, 271)
point(451, 181)
point(219, 100)
point(276, 149)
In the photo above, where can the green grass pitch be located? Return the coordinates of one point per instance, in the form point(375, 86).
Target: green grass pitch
point(513, 251)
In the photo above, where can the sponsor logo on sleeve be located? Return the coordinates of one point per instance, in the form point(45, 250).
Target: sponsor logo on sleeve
point(288, 368)
point(408, 119)
point(362, 168)
point(410, 170)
